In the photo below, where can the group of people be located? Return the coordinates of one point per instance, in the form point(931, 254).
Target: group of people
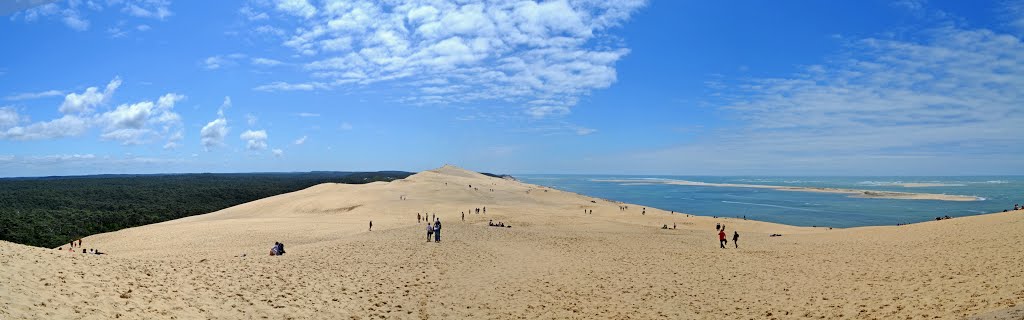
point(943, 218)
point(426, 217)
point(721, 236)
point(665, 226)
point(277, 249)
point(434, 230)
point(78, 243)
point(499, 224)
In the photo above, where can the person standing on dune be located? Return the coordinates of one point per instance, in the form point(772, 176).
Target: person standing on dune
point(437, 230)
point(430, 231)
point(371, 225)
point(736, 239)
point(721, 238)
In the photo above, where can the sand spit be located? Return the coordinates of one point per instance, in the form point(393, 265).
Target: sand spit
point(556, 262)
point(854, 193)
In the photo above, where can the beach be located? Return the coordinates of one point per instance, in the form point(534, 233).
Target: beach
point(555, 262)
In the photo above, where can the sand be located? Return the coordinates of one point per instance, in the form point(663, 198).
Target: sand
point(555, 263)
point(854, 193)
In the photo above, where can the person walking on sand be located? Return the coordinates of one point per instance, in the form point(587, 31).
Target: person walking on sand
point(463, 217)
point(721, 238)
point(430, 231)
point(371, 225)
point(417, 217)
point(437, 230)
point(736, 239)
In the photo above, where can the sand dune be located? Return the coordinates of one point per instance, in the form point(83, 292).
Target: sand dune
point(556, 262)
point(854, 193)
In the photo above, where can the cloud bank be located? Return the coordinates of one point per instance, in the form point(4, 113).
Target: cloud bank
point(542, 56)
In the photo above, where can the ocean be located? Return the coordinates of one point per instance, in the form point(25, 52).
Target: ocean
point(800, 208)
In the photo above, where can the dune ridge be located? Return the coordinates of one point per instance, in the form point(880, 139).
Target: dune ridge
point(555, 262)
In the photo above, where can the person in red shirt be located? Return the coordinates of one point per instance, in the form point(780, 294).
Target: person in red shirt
point(721, 238)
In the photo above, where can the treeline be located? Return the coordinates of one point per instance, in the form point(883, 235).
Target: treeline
point(51, 211)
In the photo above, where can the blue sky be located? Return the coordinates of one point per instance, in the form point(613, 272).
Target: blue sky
point(618, 86)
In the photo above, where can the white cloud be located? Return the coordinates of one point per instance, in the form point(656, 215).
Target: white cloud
point(9, 117)
point(255, 140)
point(219, 61)
point(948, 98)
point(156, 9)
point(74, 20)
point(74, 13)
point(546, 111)
point(251, 119)
point(284, 86)
point(300, 141)
point(251, 14)
point(63, 157)
point(1013, 12)
point(224, 106)
point(278, 152)
point(495, 51)
point(300, 8)
point(266, 62)
point(66, 126)
point(307, 114)
point(346, 126)
point(34, 95)
point(584, 131)
point(213, 133)
point(134, 123)
point(141, 122)
point(86, 101)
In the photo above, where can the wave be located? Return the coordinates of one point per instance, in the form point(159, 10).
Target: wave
point(772, 205)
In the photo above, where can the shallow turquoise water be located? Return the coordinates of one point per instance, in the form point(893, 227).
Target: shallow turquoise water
point(801, 208)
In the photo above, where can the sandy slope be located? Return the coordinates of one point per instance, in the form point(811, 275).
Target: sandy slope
point(556, 262)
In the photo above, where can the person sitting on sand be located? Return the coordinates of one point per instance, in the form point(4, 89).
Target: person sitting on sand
point(664, 226)
point(277, 249)
point(721, 238)
point(490, 223)
point(673, 226)
point(736, 239)
point(1016, 207)
point(718, 226)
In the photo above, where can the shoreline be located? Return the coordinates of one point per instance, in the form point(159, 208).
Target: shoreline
point(853, 193)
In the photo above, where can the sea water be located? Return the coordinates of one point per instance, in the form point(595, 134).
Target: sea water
point(997, 193)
